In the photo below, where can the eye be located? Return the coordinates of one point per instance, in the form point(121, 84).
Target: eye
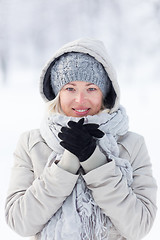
point(70, 89)
point(92, 89)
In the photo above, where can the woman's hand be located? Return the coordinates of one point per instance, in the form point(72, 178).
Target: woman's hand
point(80, 139)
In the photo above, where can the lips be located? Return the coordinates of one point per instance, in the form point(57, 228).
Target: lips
point(81, 111)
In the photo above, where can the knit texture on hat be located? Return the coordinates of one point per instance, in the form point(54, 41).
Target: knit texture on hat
point(76, 66)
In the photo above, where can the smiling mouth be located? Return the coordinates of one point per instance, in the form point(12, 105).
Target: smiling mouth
point(81, 111)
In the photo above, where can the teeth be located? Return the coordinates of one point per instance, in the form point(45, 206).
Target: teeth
point(84, 110)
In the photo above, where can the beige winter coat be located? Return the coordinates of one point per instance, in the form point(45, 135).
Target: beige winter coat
point(36, 193)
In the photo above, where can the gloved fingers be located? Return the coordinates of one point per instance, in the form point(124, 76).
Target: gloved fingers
point(68, 138)
point(60, 135)
point(87, 152)
point(97, 133)
point(74, 139)
point(70, 131)
point(78, 124)
point(93, 130)
point(76, 132)
point(81, 121)
point(69, 147)
point(63, 144)
point(64, 133)
point(83, 131)
point(91, 126)
point(79, 135)
point(64, 136)
point(64, 129)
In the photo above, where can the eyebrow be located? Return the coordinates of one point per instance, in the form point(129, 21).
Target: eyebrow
point(73, 84)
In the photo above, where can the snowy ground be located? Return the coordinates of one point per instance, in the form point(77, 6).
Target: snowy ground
point(22, 109)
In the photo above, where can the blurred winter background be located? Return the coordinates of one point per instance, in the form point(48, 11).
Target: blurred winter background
point(32, 30)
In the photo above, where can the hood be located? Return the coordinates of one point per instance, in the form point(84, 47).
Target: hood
point(94, 48)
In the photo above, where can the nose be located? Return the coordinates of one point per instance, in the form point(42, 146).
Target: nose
point(80, 98)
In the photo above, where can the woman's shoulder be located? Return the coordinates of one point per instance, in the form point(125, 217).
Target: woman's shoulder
point(130, 136)
point(131, 141)
point(31, 137)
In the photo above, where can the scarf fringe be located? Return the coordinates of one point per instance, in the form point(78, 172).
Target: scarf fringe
point(91, 215)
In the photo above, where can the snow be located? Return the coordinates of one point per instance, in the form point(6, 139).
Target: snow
point(30, 33)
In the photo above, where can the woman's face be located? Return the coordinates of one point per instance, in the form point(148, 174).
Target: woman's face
point(79, 99)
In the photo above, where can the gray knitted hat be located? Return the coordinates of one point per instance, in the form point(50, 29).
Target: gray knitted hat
point(75, 66)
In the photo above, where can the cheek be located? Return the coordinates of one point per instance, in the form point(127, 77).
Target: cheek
point(99, 106)
point(98, 101)
point(65, 101)
point(96, 104)
point(62, 99)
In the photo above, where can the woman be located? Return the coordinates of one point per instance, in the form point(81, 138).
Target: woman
point(83, 175)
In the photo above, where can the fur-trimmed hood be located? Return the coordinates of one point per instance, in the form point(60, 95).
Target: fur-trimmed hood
point(94, 48)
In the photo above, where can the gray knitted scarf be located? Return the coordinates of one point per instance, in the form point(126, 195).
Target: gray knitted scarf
point(80, 217)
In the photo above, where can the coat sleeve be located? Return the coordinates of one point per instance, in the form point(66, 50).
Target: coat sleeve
point(31, 201)
point(132, 209)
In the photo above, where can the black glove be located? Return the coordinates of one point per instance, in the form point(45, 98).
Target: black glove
point(80, 139)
